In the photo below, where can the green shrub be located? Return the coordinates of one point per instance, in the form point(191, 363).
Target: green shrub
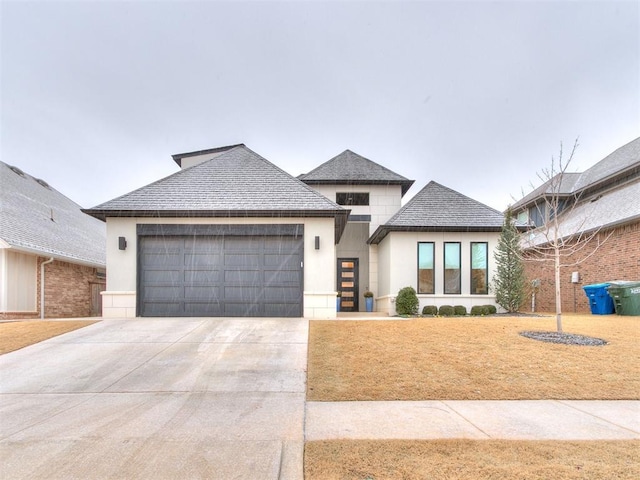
point(491, 309)
point(407, 301)
point(460, 310)
point(430, 310)
point(477, 310)
point(446, 311)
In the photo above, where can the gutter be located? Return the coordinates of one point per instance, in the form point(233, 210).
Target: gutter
point(42, 286)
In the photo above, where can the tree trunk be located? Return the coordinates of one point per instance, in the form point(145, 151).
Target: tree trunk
point(558, 296)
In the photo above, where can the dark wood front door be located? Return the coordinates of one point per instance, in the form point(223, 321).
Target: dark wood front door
point(348, 284)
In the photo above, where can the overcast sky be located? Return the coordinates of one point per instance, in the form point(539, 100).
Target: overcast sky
point(477, 96)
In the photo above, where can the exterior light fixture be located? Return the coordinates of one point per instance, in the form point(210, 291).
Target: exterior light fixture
point(317, 243)
point(122, 243)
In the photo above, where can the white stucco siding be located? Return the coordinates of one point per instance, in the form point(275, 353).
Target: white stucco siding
point(398, 266)
point(384, 201)
point(319, 265)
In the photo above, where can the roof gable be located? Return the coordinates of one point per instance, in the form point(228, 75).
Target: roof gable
point(36, 218)
point(353, 169)
point(438, 208)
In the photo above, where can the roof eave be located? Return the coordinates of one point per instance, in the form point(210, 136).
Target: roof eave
point(405, 184)
point(340, 215)
point(57, 256)
point(383, 230)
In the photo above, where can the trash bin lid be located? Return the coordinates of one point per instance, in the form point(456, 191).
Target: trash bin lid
point(596, 285)
point(624, 284)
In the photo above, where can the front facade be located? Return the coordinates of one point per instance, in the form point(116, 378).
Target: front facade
point(52, 260)
point(233, 235)
point(601, 209)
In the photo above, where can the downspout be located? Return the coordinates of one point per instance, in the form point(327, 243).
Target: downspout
point(42, 286)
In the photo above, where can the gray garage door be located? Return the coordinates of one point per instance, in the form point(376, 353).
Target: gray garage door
point(236, 271)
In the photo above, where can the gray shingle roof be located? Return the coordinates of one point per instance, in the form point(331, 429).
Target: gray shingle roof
point(27, 206)
point(624, 159)
point(441, 209)
point(349, 168)
point(235, 183)
point(615, 207)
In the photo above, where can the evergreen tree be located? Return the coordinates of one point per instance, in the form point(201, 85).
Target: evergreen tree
point(509, 282)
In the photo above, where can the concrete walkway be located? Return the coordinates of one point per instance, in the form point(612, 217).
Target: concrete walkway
point(511, 420)
point(159, 399)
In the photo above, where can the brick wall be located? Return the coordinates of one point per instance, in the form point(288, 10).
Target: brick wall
point(617, 259)
point(67, 291)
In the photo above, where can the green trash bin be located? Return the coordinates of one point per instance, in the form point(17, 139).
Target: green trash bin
point(626, 297)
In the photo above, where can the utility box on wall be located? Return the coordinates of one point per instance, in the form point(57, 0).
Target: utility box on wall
point(575, 277)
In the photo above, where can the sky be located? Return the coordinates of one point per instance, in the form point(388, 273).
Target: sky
point(95, 97)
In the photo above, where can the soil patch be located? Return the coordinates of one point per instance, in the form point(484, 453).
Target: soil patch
point(565, 338)
point(16, 335)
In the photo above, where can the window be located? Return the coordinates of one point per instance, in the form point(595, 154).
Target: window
point(352, 198)
point(426, 277)
point(479, 268)
point(452, 267)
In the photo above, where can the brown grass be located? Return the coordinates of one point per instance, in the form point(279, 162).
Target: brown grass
point(16, 335)
point(471, 359)
point(471, 459)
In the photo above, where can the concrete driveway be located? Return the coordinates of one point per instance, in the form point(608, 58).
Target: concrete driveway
point(157, 398)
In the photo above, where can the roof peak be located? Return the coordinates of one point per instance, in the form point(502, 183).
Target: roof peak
point(351, 168)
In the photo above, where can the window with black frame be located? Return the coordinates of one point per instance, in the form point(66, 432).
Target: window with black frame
point(352, 198)
point(479, 268)
point(452, 284)
point(426, 262)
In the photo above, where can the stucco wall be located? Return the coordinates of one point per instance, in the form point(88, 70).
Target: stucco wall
point(384, 200)
point(398, 268)
point(319, 265)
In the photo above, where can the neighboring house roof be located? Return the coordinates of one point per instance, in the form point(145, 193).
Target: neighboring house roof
point(616, 207)
point(349, 168)
point(36, 218)
point(623, 162)
point(437, 208)
point(236, 183)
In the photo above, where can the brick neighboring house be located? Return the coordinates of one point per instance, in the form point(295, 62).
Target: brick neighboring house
point(603, 199)
point(45, 235)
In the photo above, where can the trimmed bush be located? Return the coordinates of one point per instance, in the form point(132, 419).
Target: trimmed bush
point(491, 309)
point(446, 311)
point(430, 310)
point(407, 301)
point(460, 310)
point(478, 310)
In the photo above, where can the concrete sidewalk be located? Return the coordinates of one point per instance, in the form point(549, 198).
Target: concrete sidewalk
point(511, 420)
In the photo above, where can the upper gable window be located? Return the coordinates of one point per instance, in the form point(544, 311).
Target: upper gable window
point(352, 198)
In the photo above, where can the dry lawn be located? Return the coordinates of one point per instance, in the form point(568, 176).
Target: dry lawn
point(472, 359)
point(16, 335)
point(471, 459)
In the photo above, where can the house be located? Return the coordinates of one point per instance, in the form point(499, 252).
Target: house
point(601, 206)
point(52, 256)
point(231, 234)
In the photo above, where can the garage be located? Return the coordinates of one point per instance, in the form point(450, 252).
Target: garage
point(220, 270)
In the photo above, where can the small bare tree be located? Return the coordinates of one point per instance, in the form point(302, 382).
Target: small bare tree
point(563, 239)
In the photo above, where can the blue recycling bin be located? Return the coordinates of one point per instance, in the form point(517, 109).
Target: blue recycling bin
point(600, 301)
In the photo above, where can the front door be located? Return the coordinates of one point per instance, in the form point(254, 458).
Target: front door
point(348, 284)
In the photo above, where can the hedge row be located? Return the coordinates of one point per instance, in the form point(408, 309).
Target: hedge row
point(458, 310)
